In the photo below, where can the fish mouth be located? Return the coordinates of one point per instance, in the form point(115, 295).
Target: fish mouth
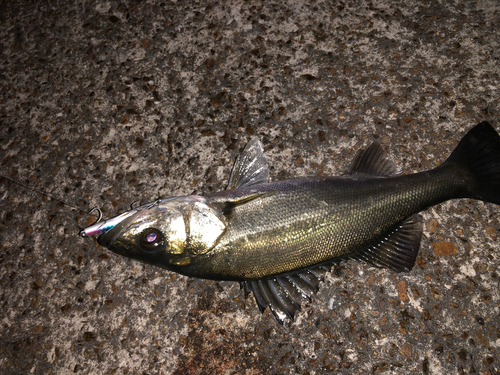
point(102, 227)
point(109, 230)
point(106, 231)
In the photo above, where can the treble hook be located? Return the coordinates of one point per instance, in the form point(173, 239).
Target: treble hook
point(132, 204)
point(99, 217)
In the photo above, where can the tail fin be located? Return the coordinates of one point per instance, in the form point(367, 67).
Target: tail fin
point(479, 152)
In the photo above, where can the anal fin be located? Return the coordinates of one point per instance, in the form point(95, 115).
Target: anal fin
point(398, 250)
point(283, 294)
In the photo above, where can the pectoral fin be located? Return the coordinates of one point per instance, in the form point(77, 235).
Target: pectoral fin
point(230, 205)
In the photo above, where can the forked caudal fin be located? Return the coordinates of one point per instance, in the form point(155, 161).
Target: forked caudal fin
point(479, 152)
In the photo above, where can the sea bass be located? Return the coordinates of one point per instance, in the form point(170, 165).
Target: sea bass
point(278, 239)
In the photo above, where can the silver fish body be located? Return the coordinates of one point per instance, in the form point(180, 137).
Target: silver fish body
point(279, 238)
point(307, 221)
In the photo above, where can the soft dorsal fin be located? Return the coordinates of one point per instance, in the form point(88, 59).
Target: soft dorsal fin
point(374, 161)
point(250, 167)
point(398, 250)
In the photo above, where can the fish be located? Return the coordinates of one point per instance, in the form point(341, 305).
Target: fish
point(279, 239)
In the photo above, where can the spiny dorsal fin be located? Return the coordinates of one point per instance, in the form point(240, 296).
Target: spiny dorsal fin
point(374, 161)
point(250, 167)
point(283, 294)
point(398, 250)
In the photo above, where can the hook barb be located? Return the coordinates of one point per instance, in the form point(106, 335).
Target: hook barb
point(132, 204)
point(99, 216)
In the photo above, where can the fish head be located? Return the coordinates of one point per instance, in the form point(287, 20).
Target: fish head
point(168, 233)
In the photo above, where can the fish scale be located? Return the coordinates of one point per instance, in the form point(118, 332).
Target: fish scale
point(304, 232)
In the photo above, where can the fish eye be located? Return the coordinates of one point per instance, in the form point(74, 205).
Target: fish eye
point(151, 239)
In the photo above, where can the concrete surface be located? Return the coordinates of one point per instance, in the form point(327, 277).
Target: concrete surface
point(105, 103)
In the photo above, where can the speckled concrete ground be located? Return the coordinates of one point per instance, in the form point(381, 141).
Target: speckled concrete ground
point(105, 103)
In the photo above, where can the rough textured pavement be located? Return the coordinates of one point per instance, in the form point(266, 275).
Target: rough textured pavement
point(106, 103)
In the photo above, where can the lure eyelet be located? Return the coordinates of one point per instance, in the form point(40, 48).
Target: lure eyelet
point(151, 239)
